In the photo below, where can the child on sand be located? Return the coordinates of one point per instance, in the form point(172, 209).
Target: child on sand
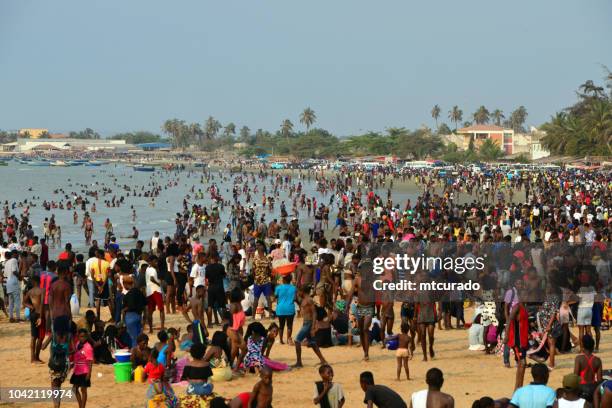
point(261, 397)
point(403, 353)
point(328, 394)
point(83, 360)
point(255, 338)
point(159, 390)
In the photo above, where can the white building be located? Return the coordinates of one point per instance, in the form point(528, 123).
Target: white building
point(27, 145)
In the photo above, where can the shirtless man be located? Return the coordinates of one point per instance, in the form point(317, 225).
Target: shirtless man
point(426, 319)
point(365, 306)
point(196, 305)
point(432, 396)
point(261, 397)
point(326, 286)
point(307, 332)
point(303, 272)
point(59, 301)
point(33, 301)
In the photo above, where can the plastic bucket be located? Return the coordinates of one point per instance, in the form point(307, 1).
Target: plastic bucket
point(123, 372)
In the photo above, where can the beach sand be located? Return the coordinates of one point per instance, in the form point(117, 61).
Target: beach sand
point(468, 374)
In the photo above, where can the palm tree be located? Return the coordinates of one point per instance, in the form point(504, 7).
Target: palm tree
point(598, 123)
point(590, 89)
point(211, 128)
point(286, 129)
point(308, 118)
point(518, 118)
point(245, 134)
point(481, 116)
point(176, 129)
point(229, 130)
point(455, 115)
point(498, 116)
point(193, 132)
point(489, 150)
point(435, 114)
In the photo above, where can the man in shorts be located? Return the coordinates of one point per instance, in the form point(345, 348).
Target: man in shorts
point(154, 294)
point(365, 305)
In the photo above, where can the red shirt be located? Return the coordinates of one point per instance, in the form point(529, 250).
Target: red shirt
point(154, 372)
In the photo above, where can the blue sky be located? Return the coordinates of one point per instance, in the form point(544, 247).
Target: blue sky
point(117, 65)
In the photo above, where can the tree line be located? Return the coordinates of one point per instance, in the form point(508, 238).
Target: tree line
point(481, 116)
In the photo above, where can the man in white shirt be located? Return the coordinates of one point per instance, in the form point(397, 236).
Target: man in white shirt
point(197, 276)
point(13, 284)
point(154, 241)
point(154, 295)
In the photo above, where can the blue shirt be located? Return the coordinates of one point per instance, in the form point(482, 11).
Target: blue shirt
point(534, 396)
point(285, 295)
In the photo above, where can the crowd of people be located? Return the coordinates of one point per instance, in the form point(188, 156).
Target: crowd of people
point(241, 261)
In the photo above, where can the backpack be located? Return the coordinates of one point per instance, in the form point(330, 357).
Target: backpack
point(58, 361)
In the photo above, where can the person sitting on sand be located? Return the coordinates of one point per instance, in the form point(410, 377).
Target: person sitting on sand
point(588, 366)
point(159, 391)
point(197, 372)
point(379, 395)
point(536, 394)
point(569, 395)
point(261, 397)
point(255, 338)
point(141, 352)
point(432, 396)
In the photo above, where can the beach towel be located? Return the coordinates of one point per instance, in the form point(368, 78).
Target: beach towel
point(275, 365)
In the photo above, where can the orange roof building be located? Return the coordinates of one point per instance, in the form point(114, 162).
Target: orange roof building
point(504, 138)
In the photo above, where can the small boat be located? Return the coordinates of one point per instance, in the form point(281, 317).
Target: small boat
point(37, 163)
point(74, 163)
point(198, 165)
point(3, 163)
point(140, 167)
point(93, 163)
point(59, 163)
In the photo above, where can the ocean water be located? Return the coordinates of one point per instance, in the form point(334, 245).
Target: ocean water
point(35, 184)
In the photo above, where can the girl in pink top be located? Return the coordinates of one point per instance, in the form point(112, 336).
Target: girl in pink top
point(83, 359)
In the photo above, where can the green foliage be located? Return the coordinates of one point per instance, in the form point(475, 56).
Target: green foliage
point(489, 150)
point(8, 137)
point(443, 129)
point(481, 116)
point(435, 114)
point(455, 115)
point(465, 156)
point(138, 137)
point(584, 128)
point(498, 117)
point(87, 133)
point(521, 158)
point(308, 118)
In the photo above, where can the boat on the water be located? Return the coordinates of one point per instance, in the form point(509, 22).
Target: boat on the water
point(140, 167)
point(3, 163)
point(38, 163)
point(96, 163)
point(59, 163)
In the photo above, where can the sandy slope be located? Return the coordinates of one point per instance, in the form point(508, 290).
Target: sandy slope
point(468, 374)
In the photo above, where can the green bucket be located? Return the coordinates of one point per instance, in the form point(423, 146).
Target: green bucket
point(123, 372)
